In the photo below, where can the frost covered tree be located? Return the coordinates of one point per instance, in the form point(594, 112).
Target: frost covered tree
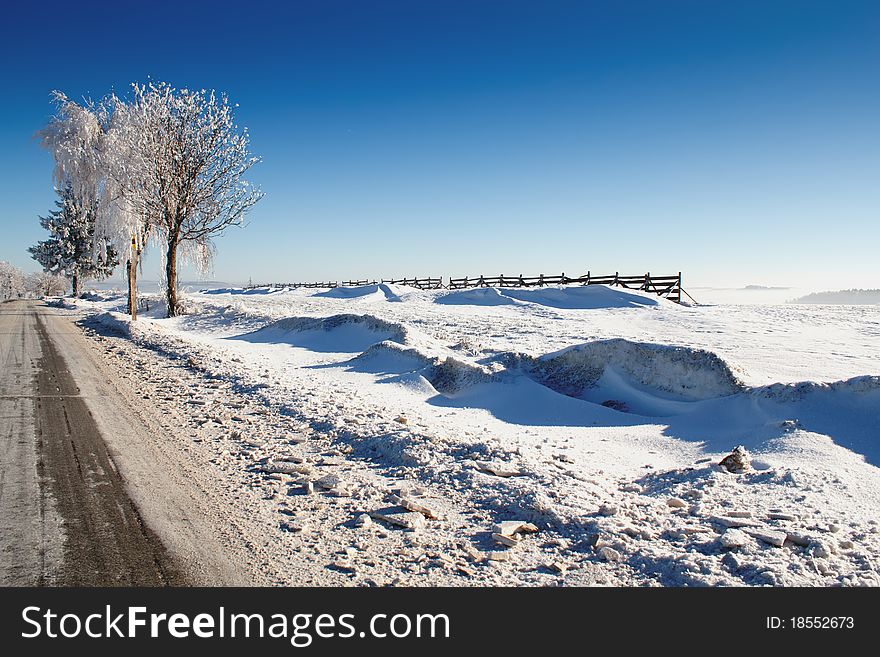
point(167, 165)
point(73, 250)
point(12, 281)
point(43, 284)
point(179, 161)
point(80, 139)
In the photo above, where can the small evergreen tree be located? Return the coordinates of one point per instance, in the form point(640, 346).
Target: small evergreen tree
point(72, 249)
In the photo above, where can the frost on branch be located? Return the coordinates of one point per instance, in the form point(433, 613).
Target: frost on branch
point(76, 139)
point(178, 159)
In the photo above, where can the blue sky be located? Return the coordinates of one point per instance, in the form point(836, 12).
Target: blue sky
point(735, 141)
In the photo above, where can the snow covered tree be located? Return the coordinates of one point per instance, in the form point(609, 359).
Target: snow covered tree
point(179, 161)
point(42, 284)
point(168, 165)
point(81, 142)
point(12, 281)
point(73, 250)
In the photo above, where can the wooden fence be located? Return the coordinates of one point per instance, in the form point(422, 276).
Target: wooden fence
point(324, 284)
point(668, 287)
point(420, 283)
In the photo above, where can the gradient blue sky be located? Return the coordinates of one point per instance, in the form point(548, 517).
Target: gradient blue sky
point(736, 141)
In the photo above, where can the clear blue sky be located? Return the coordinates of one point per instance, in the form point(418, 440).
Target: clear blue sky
point(736, 141)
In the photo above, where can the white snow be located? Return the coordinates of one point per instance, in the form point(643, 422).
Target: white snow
point(579, 298)
point(580, 400)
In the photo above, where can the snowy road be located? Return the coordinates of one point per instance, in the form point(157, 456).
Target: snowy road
point(30, 543)
point(67, 516)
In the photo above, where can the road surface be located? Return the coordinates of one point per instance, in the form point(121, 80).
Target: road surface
point(67, 515)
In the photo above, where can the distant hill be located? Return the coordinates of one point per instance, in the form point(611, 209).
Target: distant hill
point(841, 297)
point(764, 287)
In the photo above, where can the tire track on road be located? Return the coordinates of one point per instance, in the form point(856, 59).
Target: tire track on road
point(106, 542)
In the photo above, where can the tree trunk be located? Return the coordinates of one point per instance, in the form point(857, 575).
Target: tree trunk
point(74, 283)
point(131, 270)
point(171, 277)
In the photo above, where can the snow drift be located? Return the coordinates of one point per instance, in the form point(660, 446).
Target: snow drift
point(376, 292)
point(248, 291)
point(338, 333)
point(481, 296)
point(586, 297)
point(614, 382)
point(673, 373)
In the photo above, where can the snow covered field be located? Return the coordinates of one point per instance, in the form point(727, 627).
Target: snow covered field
point(596, 414)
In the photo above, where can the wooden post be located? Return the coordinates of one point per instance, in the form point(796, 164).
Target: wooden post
point(131, 270)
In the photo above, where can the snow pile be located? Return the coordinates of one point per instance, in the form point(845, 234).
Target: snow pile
point(452, 375)
point(633, 369)
point(585, 297)
point(390, 357)
point(416, 354)
point(378, 292)
point(846, 411)
point(790, 392)
point(114, 322)
point(480, 296)
point(249, 291)
point(344, 333)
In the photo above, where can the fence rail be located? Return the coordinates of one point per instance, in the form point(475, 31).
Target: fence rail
point(665, 286)
point(668, 287)
point(420, 283)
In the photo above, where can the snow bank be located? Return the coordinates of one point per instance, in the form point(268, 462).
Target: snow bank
point(377, 292)
point(444, 373)
point(452, 375)
point(585, 297)
point(117, 323)
point(389, 357)
point(481, 296)
point(788, 392)
point(245, 291)
point(633, 373)
point(337, 334)
point(847, 411)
